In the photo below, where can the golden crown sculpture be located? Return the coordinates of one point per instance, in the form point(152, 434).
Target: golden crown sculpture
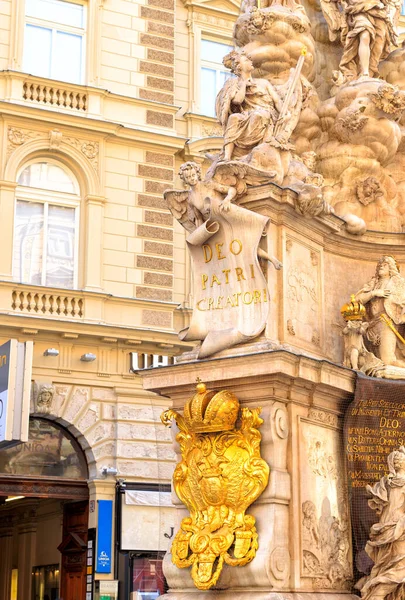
point(210, 411)
point(353, 310)
point(220, 474)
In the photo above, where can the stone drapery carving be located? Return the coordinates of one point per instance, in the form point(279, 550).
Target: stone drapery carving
point(386, 545)
point(221, 473)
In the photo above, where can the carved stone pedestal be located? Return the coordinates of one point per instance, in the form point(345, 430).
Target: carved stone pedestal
point(302, 517)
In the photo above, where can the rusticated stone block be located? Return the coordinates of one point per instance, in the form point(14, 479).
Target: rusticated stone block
point(153, 27)
point(155, 172)
point(158, 264)
point(155, 69)
point(158, 218)
point(156, 248)
point(79, 398)
point(159, 55)
point(158, 279)
point(157, 15)
point(160, 84)
point(159, 119)
point(156, 318)
point(90, 417)
point(158, 42)
point(102, 431)
point(155, 233)
point(153, 293)
point(156, 96)
point(152, 201)
point(166, 4)
point(156, 158)
point(154, 187)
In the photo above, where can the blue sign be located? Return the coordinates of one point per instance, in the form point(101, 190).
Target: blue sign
point(104, 536)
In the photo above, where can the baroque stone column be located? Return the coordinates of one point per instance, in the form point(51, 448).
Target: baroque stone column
point(302, 516)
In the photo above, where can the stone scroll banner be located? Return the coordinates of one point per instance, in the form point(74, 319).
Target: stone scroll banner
point(374, 427)
point(231, 299)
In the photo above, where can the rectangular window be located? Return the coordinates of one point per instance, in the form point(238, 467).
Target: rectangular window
point(44, 244)
point(54, 42)
point(213, 74)
point(148, 582)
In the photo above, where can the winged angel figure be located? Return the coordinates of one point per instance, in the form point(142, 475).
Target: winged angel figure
point(367, 31)
point(192, 207)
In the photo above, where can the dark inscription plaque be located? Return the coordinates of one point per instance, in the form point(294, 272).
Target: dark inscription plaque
point(374, 427)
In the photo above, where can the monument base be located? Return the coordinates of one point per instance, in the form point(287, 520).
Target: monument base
point(302, 517)
point(256, 595)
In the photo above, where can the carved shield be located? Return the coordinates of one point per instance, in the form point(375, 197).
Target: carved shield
point(242, 543)
point(231, 299)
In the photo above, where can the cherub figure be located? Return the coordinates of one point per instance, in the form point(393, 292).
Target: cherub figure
point(191, 207)
point(355, 348)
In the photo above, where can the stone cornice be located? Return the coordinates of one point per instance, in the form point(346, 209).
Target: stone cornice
point(25, 116)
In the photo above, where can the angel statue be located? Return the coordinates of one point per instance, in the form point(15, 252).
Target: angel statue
point(367, 30)
point(192, 207)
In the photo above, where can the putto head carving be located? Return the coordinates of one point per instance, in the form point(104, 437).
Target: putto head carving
point(190, 172)
point(368, 190)
point(209, 411)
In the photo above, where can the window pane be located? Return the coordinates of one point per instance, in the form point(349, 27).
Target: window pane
point(223, 76)
point(57, 11)
point(67, 59)
point(213, 51)
point(60, 257)
point(47, 176)
point(37, 50)
point(208, 91)
point(148, 581)
point(28, 242)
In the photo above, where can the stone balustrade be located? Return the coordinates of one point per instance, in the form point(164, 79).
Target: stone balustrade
point(32, 301)
point(60, 96)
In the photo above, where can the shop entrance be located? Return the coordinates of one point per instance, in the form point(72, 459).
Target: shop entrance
point(43, 517)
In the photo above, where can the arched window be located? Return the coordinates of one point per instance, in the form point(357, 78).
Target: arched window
point(46, 223)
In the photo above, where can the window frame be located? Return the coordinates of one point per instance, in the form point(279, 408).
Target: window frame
point(47, 197)
point(221, 32)
point(54, 28)
point(213, 66)
point(95, 10)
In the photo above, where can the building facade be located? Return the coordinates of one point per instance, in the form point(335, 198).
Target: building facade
point(100, 102)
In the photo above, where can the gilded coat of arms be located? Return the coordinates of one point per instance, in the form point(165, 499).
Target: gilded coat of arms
point(221, 473)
